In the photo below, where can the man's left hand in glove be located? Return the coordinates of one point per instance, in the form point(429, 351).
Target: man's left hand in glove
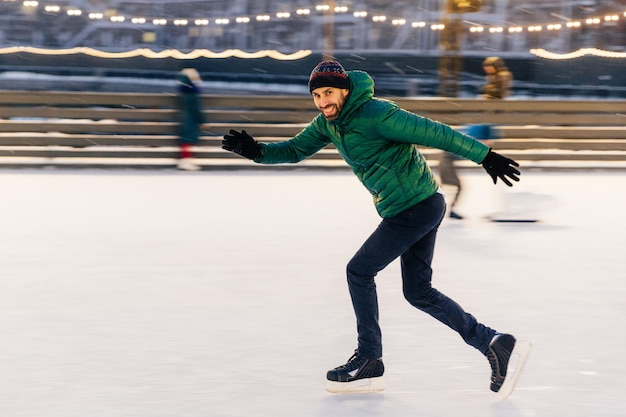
point(498, 166)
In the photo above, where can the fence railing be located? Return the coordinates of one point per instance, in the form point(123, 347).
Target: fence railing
point(139, 130)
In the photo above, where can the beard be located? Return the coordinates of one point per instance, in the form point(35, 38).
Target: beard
point(331, 112)
point(334, 105)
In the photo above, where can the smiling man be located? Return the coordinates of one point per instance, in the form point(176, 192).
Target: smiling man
point(379, 142)
point(330, 87)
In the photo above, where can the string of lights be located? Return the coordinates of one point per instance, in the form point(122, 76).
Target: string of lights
point(236, 53)
point(148, 53)
point(472, 27)
point(542, 53)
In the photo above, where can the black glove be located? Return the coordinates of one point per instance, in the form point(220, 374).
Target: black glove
point(498, 166)
point(242, 144)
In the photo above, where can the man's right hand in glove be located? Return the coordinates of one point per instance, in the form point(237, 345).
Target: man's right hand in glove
point(498, 166)
point(243, 144)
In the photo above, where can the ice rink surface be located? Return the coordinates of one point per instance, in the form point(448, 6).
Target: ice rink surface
point(209, 294)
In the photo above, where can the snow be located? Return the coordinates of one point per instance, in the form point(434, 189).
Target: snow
point(215, 293)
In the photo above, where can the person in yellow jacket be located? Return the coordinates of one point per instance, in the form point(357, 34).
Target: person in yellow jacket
point(378, 141)
point(498, 79)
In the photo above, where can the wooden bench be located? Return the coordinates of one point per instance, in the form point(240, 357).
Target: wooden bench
point(139, 130)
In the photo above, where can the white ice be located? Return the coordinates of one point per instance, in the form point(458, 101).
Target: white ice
point(149, 294)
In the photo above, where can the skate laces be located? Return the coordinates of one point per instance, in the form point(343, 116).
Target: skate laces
point(493, 362)
point(355, 362)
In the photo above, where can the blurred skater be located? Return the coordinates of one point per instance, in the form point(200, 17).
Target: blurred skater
point(450, 181)
point(498, 80)
point(498, 85)
point(378, 139)
point(191, 118)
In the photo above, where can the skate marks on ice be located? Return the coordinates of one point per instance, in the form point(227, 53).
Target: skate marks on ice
point(513, 220)
point(518, 360)
point(139, 336)
point(522, 207)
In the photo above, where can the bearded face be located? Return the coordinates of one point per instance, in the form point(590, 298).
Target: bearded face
point(330, 100)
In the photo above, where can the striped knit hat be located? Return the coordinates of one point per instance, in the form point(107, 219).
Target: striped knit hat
point(328, 74)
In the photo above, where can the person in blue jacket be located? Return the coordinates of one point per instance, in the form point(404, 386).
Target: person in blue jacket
point(378, 141)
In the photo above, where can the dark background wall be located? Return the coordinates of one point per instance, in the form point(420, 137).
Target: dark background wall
point(394, 73)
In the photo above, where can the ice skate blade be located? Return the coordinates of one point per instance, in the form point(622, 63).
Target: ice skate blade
point(360, 385)
point(520, 353)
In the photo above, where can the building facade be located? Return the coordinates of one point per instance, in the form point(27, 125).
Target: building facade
point(505, 26)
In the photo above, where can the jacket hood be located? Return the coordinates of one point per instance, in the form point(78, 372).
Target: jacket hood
point(361, 91)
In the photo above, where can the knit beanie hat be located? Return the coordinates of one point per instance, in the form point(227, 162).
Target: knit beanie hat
point(328, 74)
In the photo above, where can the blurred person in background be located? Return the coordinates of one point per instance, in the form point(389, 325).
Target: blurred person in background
point(498, 79)
point(191, 118)
point(378, 140)
point(497, 86)
point(450, 182)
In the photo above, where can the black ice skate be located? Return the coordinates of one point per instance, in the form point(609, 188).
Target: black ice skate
point(503, 376)
point(357, 375)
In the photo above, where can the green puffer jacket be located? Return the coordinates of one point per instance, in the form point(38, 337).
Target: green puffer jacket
point(377, 139)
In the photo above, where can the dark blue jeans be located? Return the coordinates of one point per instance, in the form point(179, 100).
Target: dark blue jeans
point(411, 236)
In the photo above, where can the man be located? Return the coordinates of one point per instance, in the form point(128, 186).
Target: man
point(378, 141)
